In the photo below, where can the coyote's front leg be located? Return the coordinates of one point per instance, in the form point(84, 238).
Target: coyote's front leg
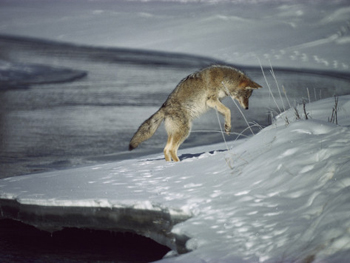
point(216, 104)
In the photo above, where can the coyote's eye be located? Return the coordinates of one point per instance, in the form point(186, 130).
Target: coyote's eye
point(249, 94)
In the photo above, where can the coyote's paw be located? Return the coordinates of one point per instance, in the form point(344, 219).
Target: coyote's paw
point(227, 129)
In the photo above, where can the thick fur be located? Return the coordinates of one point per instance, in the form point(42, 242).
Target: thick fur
point(193, 96)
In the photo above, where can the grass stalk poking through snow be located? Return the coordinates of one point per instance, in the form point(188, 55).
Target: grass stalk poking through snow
point(296, 111)
point(334, 116)
point(268, 85)
point(277, 85)
point(304, 109)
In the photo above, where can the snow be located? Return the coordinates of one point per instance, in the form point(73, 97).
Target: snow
point(289, 33)
point(281, 195)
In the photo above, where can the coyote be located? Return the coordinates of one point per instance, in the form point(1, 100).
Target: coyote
point(194, 95)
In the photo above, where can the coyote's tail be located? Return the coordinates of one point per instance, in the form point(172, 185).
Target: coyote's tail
point(147, 129)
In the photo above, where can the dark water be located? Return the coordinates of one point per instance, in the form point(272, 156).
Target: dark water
point(48, 121)
point(23, 243)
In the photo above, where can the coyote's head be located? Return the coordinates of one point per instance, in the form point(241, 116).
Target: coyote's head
point(244, 91)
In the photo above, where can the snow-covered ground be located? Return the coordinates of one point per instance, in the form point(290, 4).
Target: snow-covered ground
point(281, 195)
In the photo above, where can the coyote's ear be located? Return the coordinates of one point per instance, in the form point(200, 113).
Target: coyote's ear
point(251, 85)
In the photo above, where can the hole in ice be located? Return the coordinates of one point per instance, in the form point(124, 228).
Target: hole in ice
point(20, 241)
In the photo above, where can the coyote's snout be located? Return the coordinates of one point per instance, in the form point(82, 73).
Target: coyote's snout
point(194, 95)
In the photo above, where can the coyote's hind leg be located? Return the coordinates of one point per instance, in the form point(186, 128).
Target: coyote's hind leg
point(176, 136)
point(167, 149)
point(173, 144)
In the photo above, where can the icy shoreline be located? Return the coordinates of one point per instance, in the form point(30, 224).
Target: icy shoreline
point(155, 222)
point(20, 76)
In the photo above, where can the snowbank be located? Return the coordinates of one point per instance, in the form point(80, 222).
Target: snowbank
point(281, 195)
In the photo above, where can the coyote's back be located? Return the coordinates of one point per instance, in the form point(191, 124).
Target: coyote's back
point(193, 96)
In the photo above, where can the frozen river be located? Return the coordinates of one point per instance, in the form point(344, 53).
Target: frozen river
point(66, 105)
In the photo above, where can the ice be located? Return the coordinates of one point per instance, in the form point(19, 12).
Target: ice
point(24, 75)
